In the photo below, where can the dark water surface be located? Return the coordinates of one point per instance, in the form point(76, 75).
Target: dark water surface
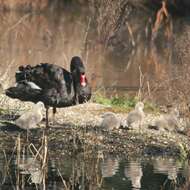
point(105, 173)
point(63, 161)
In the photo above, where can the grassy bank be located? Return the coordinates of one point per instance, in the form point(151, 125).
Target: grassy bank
point(124, 103)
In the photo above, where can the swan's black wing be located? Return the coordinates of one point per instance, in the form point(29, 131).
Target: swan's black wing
point(25, 91)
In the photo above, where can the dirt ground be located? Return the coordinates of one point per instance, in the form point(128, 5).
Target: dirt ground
point(77, 128)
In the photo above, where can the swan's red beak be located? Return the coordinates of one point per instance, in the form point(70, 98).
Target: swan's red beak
point(83, 80)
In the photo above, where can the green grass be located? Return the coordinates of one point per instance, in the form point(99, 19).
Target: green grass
point(117, 103)
point(123, 103)
point(151, 107)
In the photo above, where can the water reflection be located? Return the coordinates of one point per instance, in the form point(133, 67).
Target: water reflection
point(39, 164)
point(30, 166)
point(166, 166)
point(89, 172)
point(109, 166)
point(133, 171)
point(56, 35)
point(32, 38)
point(69, 28)
point(62, 31)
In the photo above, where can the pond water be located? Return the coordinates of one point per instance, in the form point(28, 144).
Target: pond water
point(62, 31)
point(56, 162)
point(96, 172)
point(70, 28)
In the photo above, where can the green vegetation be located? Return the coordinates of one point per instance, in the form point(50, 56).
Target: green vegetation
point(151, 107)
point(117, 103)
point(123, 103)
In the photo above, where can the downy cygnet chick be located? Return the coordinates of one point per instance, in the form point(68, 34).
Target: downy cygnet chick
point(31, 118)
point(136, 116)
point(169, 121)
point(110, 121)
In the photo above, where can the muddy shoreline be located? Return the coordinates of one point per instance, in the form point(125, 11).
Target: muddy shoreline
point(78, 129)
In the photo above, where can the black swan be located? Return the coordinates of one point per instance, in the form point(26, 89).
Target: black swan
point(52, 85)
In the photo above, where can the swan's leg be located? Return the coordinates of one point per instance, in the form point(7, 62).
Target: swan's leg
point(54, 112)
point(47, 118)
point(77, 99)
point(27, 135)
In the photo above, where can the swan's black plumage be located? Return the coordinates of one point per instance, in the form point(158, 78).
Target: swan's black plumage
point(52, 84)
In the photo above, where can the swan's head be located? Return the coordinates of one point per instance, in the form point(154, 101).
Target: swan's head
point(80, 82)
point(78, 71)
point(77, 64)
